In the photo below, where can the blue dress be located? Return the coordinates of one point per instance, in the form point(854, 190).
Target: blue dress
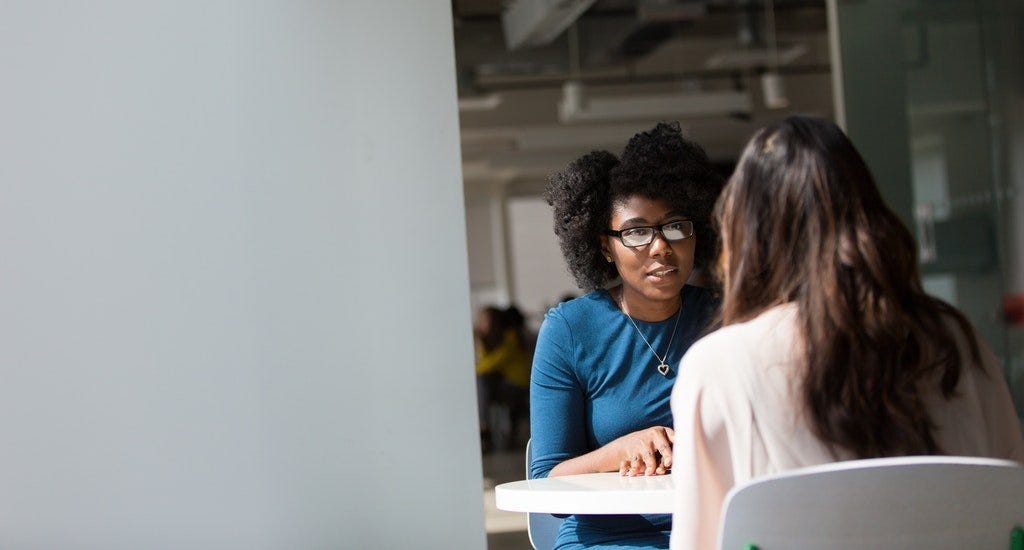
point(594, 380)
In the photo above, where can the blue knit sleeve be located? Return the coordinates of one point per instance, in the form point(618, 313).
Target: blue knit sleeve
point(557, 429)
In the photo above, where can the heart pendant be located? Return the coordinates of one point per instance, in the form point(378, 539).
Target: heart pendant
point(663, 369)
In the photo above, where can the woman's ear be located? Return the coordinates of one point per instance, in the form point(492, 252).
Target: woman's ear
point(606, 249)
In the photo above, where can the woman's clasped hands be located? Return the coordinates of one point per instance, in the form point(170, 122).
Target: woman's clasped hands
point(646, 452)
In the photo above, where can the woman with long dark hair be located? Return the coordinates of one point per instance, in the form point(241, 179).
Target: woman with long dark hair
point(830, 349)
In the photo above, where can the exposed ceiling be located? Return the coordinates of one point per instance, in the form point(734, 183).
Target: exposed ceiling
point(634, 63)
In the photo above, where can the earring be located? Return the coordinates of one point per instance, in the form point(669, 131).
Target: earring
point(609, 258)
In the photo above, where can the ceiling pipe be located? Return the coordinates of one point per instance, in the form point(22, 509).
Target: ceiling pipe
point(772, 87)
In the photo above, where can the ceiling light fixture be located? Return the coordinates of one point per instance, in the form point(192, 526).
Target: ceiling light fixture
point(487, 102)
point(749, 58)
point(576, 107)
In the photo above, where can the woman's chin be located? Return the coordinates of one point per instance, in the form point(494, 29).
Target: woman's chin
point(664, 290)
point(669, 284)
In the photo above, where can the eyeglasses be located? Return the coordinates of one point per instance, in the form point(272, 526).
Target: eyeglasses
point(644, 234)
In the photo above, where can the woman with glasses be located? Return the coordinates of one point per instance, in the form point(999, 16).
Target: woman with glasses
point(632, 231)
point(830, 348)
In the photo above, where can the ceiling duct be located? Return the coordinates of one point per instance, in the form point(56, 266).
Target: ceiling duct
point(757, 48)
point(538, 22)
point(656, 22)
point(576, 107)
point(653, 11)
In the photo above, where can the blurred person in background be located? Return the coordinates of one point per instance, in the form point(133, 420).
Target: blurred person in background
point(503, 373)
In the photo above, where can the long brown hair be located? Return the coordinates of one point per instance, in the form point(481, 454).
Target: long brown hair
point(802, 222)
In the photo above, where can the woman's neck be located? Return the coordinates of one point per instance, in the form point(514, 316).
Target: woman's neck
point(641, 308)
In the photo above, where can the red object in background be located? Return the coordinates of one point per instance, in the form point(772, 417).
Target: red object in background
point(1013, 309)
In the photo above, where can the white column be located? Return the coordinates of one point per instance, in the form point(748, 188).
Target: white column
point(233, 298)
point(504, 284)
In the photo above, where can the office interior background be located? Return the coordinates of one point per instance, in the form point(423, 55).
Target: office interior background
point(241, 241)
point(930, 91)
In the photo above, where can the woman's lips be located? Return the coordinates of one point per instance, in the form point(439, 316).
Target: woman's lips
point(662, 272)
point(663, 275)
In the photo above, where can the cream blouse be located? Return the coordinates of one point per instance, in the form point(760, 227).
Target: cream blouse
point(736, 409)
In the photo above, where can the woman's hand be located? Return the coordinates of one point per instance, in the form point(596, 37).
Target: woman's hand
point(645, 452)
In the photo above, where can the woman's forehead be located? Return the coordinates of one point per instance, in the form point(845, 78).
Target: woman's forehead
point(642, 208)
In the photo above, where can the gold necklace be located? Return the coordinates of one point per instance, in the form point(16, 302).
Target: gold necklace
point(662, 363)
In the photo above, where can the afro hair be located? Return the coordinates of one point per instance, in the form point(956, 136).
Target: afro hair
point(659, 164)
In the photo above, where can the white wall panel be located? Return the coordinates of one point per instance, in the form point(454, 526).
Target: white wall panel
point(234, 300)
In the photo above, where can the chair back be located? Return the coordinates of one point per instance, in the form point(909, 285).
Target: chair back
point(908, 502)
point(541, 528)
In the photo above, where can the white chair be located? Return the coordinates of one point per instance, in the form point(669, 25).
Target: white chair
point(906, 503)
point(541, 528)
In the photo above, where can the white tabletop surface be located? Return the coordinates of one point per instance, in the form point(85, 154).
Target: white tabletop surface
point(607, 493)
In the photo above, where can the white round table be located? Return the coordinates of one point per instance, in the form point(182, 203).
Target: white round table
point(606, 493)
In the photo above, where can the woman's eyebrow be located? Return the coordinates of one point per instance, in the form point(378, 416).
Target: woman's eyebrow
point(643, 221)
point(635, 221)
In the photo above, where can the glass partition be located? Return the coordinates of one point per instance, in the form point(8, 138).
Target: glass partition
point(923, 82)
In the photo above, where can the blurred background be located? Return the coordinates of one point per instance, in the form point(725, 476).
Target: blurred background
point(541, 83)
point(930, 91)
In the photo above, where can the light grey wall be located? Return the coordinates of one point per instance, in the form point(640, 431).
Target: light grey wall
point(514, 256)
point(539, 270)
point(233, 279)
point(487, 244)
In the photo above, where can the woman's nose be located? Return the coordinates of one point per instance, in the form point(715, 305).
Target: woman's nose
point(659, 245)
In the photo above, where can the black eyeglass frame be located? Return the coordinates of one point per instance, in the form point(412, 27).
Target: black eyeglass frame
point(658, 229)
